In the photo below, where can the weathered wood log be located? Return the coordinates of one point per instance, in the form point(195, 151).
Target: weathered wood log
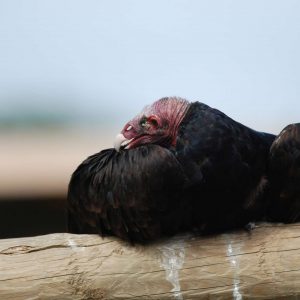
point(262, 264)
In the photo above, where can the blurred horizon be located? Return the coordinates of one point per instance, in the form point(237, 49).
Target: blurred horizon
point(26, 113)
point(101, 62)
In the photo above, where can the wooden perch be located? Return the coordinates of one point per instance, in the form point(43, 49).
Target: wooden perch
point(263, 264)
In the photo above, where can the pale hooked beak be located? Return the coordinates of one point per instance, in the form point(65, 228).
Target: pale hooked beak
point(121, 140)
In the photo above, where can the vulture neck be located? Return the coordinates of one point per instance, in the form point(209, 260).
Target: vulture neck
point(176, 119)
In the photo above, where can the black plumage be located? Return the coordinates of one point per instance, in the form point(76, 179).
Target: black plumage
point(136, 195)
point(284, 176)
point(226, 163)
point(185, 166)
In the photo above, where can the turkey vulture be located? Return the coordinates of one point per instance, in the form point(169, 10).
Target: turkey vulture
point(177, 166)
point(284, 176)
point(225, 162)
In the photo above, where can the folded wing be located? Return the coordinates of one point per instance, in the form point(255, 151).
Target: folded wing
point(284, 175)
point(135, 194)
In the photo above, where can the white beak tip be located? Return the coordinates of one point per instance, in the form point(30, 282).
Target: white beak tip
point(119, 139)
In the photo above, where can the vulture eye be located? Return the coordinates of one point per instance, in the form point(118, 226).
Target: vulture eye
point(153, 121)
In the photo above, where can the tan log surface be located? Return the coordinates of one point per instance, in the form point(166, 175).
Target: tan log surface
point(262, 265)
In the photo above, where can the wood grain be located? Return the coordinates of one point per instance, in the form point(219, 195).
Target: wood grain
point(263, 264)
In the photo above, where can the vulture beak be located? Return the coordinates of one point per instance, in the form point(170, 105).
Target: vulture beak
point(119, 141)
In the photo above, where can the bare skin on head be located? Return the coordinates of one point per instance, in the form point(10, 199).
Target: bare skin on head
point(156, 124)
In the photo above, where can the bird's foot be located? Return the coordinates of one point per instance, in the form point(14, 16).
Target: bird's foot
point(250, 226)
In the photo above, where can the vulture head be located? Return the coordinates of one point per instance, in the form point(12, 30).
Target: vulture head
point(155, 124)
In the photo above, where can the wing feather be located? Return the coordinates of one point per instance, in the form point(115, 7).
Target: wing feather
point(284, 174)
point(128, 193)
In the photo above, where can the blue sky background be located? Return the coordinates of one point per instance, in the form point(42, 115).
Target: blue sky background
point(102, 61)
